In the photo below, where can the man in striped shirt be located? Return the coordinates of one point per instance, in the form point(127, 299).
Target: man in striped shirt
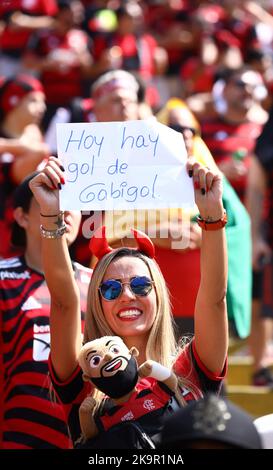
point(29, 416)
point(231, 122)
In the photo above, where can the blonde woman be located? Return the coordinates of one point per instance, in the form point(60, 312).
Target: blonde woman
point(128, 297)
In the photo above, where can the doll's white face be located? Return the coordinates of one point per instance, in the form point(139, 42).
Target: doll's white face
point(104, 357)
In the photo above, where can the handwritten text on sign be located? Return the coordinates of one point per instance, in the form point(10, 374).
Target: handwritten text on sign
point(123, 165)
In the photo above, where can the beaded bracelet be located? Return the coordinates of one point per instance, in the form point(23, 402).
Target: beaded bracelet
point(210, 225)
point(57, 233)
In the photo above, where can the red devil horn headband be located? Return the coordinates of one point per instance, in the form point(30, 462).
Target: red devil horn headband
point(144, 243)
point(99, 245)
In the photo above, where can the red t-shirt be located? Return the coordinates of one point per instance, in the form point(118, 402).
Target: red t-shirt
point(181, 272)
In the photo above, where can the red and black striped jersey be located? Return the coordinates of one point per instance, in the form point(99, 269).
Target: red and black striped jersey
point(29, 417)
point(224, 139)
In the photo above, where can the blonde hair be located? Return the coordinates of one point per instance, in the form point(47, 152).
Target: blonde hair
point(162, 345)
point(97, 326)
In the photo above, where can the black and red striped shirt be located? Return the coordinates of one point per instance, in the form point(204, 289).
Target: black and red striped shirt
point(28, 416)
point(224, 138)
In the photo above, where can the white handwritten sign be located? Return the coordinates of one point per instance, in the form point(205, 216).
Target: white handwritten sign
point(123, 165)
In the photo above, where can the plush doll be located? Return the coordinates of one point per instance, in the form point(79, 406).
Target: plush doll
point(112, 368)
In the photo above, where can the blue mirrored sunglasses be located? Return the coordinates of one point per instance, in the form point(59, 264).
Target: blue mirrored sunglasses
point(139, 285)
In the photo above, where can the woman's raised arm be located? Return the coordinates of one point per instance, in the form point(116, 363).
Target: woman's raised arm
point(211, 323)
point(65, 320)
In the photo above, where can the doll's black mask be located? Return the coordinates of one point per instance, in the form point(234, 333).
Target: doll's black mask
point(119, 384)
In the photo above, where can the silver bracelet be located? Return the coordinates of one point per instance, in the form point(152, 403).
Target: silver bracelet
point(57, 233)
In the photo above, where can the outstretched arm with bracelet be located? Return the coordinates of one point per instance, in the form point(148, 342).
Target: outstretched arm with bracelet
point(65, 320)
point(211, 324)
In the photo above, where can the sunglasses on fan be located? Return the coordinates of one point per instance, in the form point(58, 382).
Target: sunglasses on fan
point(183, 129)
point(139, 285)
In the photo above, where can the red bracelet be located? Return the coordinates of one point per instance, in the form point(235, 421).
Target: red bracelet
point(212, 225)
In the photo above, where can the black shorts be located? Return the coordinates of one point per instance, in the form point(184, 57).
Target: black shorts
point(257, 285)
point(263, 289)
point(267, 308)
